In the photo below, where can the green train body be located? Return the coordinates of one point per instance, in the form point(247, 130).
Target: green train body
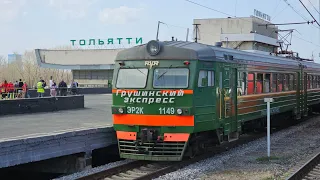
point(171, 99)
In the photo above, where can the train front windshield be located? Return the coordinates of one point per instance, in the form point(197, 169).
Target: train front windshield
point(171, 78)
point(132, 78)
point(166, 78)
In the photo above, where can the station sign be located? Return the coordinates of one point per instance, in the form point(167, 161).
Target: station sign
point(109, 41)
point(261, 15)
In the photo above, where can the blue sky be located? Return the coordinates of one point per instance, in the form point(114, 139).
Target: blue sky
point(30, 24)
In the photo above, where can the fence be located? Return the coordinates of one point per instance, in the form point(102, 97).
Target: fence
point(32, 93)
point(19, 93)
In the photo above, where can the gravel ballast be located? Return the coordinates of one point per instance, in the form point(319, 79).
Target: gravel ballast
point(289, 148)
point(93, 170)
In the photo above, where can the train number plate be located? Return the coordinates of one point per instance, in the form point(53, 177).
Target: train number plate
point(135, 110)
point(166, 110)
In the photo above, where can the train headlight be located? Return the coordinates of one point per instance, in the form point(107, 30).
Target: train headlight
point(153, 47)
point(179, 111)
point(120, 110)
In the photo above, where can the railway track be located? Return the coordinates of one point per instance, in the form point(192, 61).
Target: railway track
point(309, 171)
point(142, 170)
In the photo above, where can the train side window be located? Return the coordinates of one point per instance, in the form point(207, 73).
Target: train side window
point(250, 83)
point(286, 82)
point(274, 83)
point(314, 82)
point(280, 82)
point(210, 78)
point(291, 82)
point(318, 83)
point(203, 78)
point(309, 82)
point(259, 83)
point(266, 86)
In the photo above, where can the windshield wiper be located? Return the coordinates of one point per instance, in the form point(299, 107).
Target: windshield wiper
point(139, 70)
point(165, 72)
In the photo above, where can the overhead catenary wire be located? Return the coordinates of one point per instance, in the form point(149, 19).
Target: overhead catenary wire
point(303, 17)
point(314, 7)
point(308, 22)
point(309, 12)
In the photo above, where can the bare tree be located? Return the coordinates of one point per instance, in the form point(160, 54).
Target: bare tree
point(29, 71)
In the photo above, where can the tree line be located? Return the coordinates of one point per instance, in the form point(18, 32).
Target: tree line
point(29, 71)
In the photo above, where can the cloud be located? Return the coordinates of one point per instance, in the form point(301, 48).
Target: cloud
point(10, 9)
point(120, 15)
point(72, 9)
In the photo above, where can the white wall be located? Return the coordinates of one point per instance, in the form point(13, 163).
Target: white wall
point(78, 57)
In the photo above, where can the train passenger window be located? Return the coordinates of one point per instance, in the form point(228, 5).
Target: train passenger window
point(314, 82)
point(309, 82)
point(286, 82)
point(266, 86)
point(203, 77)
point(280, 82)
point(291, 82)
point(210, 78)
point(250, 83)
point(259, 83)
point(318, 83)
point(274, 83)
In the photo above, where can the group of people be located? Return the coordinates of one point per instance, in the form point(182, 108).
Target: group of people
point(11, 90)
point(19, 89)
point(62, 87)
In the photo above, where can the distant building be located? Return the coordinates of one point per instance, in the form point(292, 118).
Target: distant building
point(246, 33)
point(14, 58)
point(90, 67)
point(94, 67)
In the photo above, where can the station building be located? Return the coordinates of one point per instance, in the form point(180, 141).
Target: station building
point(248, 33)
point(94, 67)
point(90, 67)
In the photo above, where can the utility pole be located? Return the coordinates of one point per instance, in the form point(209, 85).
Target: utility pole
point(196, 29)
point(158, 30)
point(188, 33)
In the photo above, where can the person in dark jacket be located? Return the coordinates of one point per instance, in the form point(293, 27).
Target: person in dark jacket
point(63, 88)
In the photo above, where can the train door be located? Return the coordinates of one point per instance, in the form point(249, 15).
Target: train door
point(228, 84)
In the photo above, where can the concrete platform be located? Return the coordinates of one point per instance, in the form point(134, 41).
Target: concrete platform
point(37, 105)
point(34, 137)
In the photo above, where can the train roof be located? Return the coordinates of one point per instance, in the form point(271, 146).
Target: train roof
point(182, 50)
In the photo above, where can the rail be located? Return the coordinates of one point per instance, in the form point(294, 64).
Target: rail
point(143, 170)
point(310, 170)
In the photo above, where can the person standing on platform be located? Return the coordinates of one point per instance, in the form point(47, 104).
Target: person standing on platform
point(50, 86)
point(10, 89)
point(63, 88)
point(74, 86)
point(53, 90)
point(40, 88)
point(4, 90)
point(25, 93)
point(20, 85)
